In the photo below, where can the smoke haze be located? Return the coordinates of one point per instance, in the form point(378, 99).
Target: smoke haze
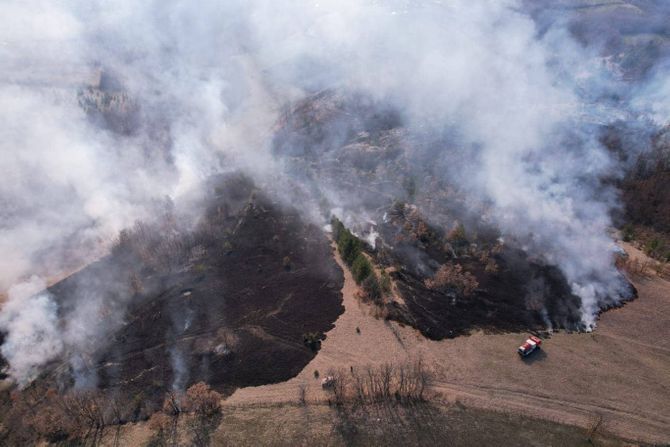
point(203, 86)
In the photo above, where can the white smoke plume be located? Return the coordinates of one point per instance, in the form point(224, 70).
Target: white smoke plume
point(207, 82)
point(30, 320)
point(653, 98)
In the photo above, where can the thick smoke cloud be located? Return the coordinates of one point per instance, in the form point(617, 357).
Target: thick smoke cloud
point(29, 318)
point(206, 82)
point(652, 99)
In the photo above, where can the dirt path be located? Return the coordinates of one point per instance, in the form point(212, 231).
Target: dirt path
point(619, 374)
point(376, 343)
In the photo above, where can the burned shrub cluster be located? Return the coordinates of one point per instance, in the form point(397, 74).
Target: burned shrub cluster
point(81, 417)
point(459, 278)
point(451, 278)
point(165, 247)
point(38, 413)
point(198, 411)
point(313, 340)
point(414, 229)
point(398, 192)
point(185, 302)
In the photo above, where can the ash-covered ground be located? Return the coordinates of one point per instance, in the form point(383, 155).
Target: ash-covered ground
point(487, 162)
point(347, 146)
point(227, 302)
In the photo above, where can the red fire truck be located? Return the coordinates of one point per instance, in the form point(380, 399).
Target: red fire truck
point(531, 344)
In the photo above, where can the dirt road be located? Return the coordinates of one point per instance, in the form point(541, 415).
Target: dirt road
point(618, 375)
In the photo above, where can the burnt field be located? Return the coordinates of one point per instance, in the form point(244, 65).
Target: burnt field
point(500, 304)
point(418, 220)
point(228, 302)
point(510, 292)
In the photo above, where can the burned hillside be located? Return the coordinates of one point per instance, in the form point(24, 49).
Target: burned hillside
point(228, 301)
point(504, 289)
point(415, 220)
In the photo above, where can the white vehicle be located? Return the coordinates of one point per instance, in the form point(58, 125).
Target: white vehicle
point(328, 382)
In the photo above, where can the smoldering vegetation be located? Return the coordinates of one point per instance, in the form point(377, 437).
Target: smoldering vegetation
point(633, 35)
point(419, 224)
point(476, 159)
point(226, 301)
point(88, 417)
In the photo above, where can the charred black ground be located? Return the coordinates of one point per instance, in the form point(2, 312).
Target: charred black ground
point(228, 302)
point(418, 221)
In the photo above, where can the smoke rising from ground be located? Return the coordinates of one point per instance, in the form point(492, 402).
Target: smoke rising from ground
point(29, 318)
point(207, 82)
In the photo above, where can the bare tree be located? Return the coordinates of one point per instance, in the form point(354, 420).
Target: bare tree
point(172, 404)
point(404, 382)
point(594, 427)
point(302, 394)
point(163, 427)
point(338, 385)
point(386, 372)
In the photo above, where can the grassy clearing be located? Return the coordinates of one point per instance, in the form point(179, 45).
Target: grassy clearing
point(415, 424)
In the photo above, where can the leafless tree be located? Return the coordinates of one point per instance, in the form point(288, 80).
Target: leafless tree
point(302, 394)
point(594, 427)
point(404, 382)
point(163, 427)
point(386, 372)
point(172, 404)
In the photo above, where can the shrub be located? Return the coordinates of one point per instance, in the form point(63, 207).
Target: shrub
point(202, 400)
point(313, 340)
point(385, 283)
point(398, 209)
point(361, 268)
point(453, 278)
point(162, 425)
point(423, 232)
point(457, 235)
point(349, 247)
point(136, 283)
point(634, 267)
point(302, 394)
point(371, 288)
point(410, 187)
point(491, 266)
point(627, 233)
point(338, 228)
point(172, 404)
point(657, 249)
